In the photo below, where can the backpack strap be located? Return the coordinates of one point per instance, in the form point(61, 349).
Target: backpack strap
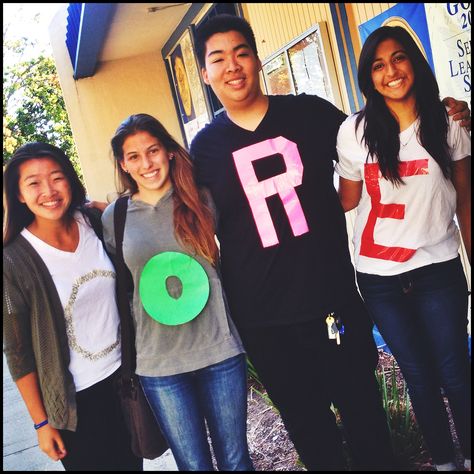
point(124, 284)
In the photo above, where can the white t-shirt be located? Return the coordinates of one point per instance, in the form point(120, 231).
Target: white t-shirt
point(398, 229)
point(85, 281)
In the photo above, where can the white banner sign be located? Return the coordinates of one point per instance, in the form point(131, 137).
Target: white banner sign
point(449, 27)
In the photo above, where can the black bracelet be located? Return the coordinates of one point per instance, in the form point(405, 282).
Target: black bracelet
point(39, 425)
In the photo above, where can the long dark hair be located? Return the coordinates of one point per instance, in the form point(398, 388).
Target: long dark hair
point(193, 220)
point(381, 129)
point(18, 216)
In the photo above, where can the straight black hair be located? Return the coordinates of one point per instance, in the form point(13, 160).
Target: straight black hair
point(222, 24)
point(18, 216)
point(381, 129)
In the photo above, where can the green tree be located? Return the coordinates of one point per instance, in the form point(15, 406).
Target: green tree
point(33, 104)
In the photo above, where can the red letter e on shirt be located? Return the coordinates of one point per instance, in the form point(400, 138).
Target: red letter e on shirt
point(368, 247)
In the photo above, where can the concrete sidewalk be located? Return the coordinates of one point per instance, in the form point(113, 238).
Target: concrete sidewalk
point(20, 444)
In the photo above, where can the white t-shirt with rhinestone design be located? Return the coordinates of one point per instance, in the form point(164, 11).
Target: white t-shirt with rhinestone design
point(85, 281)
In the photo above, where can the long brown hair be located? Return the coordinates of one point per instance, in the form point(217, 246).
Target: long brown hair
point(194, 225)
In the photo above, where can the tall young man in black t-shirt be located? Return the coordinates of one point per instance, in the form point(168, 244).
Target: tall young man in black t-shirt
point(268, 162)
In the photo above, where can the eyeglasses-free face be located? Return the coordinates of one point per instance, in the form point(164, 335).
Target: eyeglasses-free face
point(44, 188)
point(232, 69)
point(148, 163)
point(392, 72)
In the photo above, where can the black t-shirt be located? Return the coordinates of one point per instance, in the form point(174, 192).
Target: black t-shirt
point(271, 276)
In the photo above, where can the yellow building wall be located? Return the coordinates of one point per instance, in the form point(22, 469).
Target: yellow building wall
point(366, 11)
point(96, 105)
point(359, 13)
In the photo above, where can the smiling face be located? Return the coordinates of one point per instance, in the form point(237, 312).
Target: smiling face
point(392, 72)
point(232, 70)
point(148, 163)
point(44, 188)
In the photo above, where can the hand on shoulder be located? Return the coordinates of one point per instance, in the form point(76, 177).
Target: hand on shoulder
point(97, 204)
point(459, 110)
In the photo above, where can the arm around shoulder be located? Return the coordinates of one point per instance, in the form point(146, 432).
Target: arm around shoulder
point(459, 110)
point(350, 151)
point(108, 227)
point(349, 193)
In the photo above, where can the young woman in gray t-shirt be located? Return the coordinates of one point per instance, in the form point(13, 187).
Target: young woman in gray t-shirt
point(190, 358)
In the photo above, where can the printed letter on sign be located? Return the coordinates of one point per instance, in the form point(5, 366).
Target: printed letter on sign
point(368, 247)
point(283, 184)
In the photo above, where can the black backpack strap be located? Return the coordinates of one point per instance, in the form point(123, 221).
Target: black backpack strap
point(93, 216)
point(124, 284)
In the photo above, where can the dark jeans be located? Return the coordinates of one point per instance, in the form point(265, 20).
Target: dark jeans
point(304, 372)
point(101, 441)
point(422, 315)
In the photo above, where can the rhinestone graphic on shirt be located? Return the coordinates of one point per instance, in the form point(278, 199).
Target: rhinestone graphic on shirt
point(68, 311)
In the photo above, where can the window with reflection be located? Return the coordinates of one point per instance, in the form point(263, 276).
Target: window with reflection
point(278, 76)
point(299, 68)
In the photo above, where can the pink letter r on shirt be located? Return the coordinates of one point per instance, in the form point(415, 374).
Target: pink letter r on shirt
point(283, 184)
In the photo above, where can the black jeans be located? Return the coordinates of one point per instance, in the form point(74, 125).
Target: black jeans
point(304, 371)
point(101, 441)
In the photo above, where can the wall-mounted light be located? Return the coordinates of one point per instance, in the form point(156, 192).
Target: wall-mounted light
point(164, 7)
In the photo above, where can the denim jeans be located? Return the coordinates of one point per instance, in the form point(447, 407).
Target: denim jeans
point(422, 315)
point(183, 403)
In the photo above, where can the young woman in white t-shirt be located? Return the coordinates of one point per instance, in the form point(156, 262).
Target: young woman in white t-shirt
point(60, 317)
point(405, 165)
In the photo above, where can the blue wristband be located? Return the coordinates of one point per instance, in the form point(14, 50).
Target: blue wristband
point(39, 425)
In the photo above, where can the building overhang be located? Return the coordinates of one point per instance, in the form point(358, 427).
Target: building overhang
point(98, 32)
point(94, 23)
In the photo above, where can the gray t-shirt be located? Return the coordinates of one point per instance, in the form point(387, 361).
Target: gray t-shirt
point(209, 338)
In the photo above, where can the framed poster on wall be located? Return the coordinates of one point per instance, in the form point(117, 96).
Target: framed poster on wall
point(410, 16)
point(183, 90)
point(449, 25)
point(188, 87)
point(443, 33)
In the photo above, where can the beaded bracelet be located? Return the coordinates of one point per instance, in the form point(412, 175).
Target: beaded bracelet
point(39, 425)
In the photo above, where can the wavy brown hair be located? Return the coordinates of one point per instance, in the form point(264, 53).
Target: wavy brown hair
point(194, 225)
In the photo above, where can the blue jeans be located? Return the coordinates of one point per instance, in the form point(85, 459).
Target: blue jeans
point(422, 315)
point(183, 403)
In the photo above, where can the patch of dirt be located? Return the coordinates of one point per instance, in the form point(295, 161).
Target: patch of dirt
point(272, 450)
point(270, 446)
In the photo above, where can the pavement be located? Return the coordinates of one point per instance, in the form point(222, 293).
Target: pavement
point(20, 444)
